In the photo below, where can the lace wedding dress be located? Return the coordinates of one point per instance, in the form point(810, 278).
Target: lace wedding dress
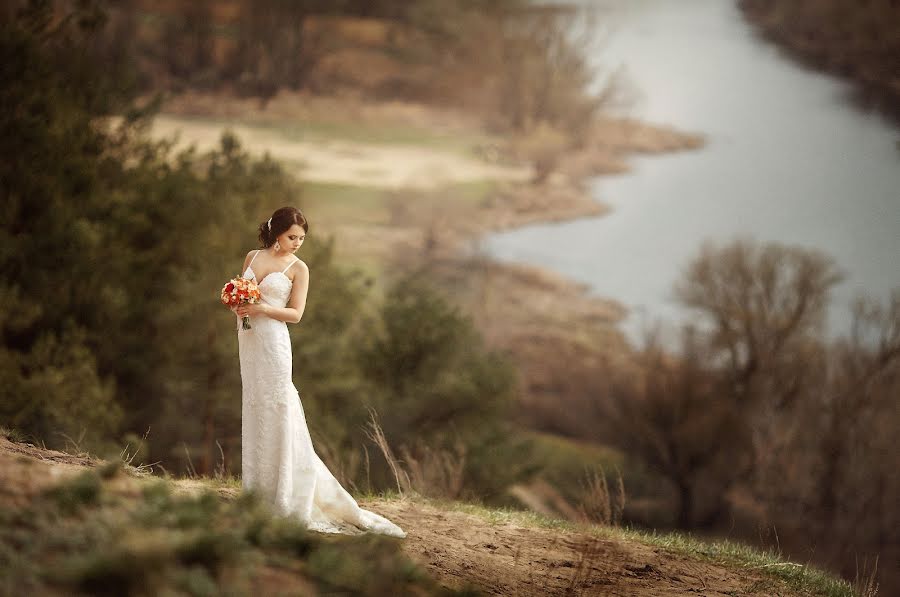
point(277, 454)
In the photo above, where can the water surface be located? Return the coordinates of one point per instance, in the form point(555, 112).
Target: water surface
point(788, 158)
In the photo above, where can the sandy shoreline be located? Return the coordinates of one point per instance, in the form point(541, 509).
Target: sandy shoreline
point(199, 119)
point(524, 311)
point(610, 142)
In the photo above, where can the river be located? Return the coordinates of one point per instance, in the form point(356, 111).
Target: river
point(788, 159)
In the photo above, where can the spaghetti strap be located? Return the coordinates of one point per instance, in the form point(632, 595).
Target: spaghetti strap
point(252, 258)
point(289, 266)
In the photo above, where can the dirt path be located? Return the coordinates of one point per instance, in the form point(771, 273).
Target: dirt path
point(459, 548)
point(504, 558)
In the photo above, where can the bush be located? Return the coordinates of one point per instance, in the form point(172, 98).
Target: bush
point(438, 389)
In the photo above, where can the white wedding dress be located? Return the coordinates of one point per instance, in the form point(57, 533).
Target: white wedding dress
point(277, 455)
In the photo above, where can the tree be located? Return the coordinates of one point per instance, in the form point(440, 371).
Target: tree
point(843, 444)
point(435, 385)
point(276, 48)
point(52, 236)
point(674, 417)
point(719, 413)
point(764, 306)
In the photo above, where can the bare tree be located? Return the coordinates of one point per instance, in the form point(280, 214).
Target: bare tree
point(717, 412)
point(759, 299)
point(764, 306)
point(838, 471)
point(858, 485)
point(675, 419)
point(759, 405)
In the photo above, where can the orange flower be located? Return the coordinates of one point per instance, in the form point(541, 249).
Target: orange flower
point(240, 290)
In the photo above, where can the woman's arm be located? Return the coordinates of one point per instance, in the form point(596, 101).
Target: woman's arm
point(293, 312)
point(247, 261)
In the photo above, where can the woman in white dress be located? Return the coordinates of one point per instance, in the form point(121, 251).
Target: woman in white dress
point(277, 455)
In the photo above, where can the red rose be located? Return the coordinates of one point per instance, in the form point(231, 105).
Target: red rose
point(229, 287)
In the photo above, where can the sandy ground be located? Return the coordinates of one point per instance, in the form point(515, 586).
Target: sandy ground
point(341, 161)
point(200, 119)
point(458, 548)
point(507, 559)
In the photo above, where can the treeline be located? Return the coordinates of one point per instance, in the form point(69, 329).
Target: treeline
point(762, 427)
point(515, 65)
point(857, 40)
point(114, 249)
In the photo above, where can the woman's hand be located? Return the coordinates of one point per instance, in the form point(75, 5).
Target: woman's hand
point(252, 309)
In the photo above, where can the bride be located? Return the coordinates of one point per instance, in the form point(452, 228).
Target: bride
point(277, 455)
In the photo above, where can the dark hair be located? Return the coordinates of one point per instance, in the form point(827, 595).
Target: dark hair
point(282, 219)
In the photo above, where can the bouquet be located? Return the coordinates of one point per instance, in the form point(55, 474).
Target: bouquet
point(238, 291)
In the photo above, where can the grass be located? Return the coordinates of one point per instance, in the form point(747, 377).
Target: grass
point(495, 515)
point(12, 434)
point(566, 463)
point(802, 579)
point(555, 452)
point(221, 482)
point(381, 134)
point(110, 530)
point(458, 142)
point(336, 202)
point(474, 192)
point(341, 203)
point(103, 532)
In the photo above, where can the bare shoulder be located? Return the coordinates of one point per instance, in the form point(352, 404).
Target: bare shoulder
point(298, 270)
point(300, 267)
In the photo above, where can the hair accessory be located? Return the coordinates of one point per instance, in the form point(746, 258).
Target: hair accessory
point(269, 224)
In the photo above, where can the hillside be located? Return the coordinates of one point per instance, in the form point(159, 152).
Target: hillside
point(858, 41)
point(59, 535)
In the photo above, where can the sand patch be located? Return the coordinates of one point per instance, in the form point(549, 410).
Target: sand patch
point(390, 166)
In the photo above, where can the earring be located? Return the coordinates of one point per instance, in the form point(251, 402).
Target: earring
point(277, 246)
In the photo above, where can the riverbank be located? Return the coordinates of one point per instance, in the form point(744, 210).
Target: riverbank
point(852, 40)
point(415, 183)
point(398, 146)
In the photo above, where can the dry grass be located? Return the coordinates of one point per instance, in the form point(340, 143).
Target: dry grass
point(376, 434)
point(141, 469)
point(146, 538)
point(436, 472)
point(599, 505)
point(865, 583)
point(423, 470)
point(170, 532)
